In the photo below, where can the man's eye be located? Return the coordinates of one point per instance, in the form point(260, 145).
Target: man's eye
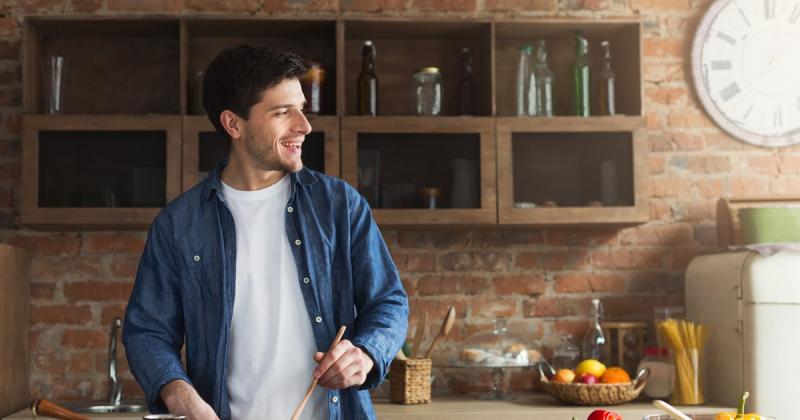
point(283, 112)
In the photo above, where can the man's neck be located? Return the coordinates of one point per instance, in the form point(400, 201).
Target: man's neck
point(246, 177)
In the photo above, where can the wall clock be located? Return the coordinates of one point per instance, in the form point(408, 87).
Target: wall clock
point(746, 69)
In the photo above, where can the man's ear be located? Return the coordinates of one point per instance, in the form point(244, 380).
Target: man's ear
point(231, 123)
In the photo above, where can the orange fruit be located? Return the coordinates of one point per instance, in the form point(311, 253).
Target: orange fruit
point(565, 376)
point(592, 367)
point(615, 375)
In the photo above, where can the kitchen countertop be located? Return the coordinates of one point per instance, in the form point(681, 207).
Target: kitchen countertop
point(461, 407)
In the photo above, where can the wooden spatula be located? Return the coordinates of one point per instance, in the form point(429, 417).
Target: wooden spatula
point(447, 325)
point(313, 385)
point(422, 325)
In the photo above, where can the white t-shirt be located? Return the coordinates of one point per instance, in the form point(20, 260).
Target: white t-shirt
point(272, 346)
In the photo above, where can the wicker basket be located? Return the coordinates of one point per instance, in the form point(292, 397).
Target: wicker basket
point(411, 381)
point(593, 394)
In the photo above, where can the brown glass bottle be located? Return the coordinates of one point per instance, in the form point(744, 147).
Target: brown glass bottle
point(605, 84)
point(367, 82)
point(467, 101)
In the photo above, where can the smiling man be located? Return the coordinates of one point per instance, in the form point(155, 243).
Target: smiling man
point(256, 267)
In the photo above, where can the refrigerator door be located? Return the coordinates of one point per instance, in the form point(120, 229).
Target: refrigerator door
point(712, 293)
point(771, 315)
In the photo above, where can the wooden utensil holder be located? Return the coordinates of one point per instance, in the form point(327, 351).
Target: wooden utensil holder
point(410, 381)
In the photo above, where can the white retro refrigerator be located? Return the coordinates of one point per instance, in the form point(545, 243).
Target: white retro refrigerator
point(752, 304)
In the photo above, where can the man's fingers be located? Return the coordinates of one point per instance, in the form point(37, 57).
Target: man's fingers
point(347, 377)
point(331, 357)
point(340, 365)
point(318, 356)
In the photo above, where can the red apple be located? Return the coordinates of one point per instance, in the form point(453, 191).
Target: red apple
point(586, 378)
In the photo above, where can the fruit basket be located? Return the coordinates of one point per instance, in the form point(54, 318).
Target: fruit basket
point(592, 394)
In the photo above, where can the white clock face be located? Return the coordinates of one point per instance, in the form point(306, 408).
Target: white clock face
point(746, 64)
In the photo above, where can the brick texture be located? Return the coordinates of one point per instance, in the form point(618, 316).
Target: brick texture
point(542, 280)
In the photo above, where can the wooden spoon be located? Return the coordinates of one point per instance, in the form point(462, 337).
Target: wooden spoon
point(47, 408)
point(672, 411)
point(313, 385)
point(422, 325)
point(447, 325)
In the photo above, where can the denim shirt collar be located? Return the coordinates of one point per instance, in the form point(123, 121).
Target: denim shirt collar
point(213, 182)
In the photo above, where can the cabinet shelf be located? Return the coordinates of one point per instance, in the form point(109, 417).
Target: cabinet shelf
point(99, 171)
point(455, 155)
point(593, 170)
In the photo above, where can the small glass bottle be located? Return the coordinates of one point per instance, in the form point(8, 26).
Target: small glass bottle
point(594, 339)
point(312, 83)
point(367, 82)
point(427, 91)
point(525, 85)
point(544, 82)
point(567, 355)
point(605, 83)
point(467, 89)
point(580, 76)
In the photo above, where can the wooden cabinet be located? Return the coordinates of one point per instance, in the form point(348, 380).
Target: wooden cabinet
point(98, 171)
point(14, 323)
point(408, 154)
point(486, 169)
point(571, 171)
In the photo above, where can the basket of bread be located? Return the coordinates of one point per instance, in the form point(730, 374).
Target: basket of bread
point(592, 383)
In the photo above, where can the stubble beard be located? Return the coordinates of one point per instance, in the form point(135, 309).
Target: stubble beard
point(266, 156)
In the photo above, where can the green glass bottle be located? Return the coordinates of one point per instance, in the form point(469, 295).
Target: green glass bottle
point(580, 76)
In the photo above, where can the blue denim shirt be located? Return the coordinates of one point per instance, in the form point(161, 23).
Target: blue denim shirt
point(185, 289)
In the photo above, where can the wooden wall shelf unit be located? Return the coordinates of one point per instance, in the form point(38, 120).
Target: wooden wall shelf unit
point(135, 79)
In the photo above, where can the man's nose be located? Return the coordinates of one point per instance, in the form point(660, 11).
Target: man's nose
point(301, 124)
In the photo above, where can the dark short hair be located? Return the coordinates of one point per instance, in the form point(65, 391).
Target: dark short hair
point(238, 76)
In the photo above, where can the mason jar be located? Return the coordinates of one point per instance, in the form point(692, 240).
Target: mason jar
point(427, 91)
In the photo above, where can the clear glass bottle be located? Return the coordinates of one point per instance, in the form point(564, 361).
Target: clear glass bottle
point(567, 355)
point(580, 76)
point(467, 88)
point(605, 83)
point(427, 91)
point(367, 81)
point(544, 82)
point(594, 339)
point(525, 84)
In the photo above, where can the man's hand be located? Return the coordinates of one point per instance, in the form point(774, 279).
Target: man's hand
point(342, 367)
point(180, 398)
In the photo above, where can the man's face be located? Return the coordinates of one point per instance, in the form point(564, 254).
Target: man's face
point(273, 135)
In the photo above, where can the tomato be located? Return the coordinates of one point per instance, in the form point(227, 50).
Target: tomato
point(604, 415)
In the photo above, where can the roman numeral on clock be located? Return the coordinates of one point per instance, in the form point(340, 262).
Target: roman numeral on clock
point(795, 14)
point(777, 119)
point(769, 9)
point(730, 91)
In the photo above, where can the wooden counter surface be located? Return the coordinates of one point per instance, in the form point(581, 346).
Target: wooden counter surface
point(460, 407)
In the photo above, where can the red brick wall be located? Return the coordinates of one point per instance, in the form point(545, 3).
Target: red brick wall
point(542, 279)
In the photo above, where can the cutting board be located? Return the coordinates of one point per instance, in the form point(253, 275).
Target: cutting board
point(14, 310)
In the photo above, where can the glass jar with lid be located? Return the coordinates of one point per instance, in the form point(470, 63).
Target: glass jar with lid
point(427, 91)
point(498, 348)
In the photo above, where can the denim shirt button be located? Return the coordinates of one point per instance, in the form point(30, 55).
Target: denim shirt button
point(290, 209)
point(335, 399)
point(297, 242)
point(318, 319)
point(306, 280)
point(196, 258)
